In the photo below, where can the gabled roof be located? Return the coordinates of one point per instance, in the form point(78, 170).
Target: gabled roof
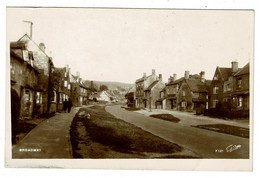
point(152, 85)
point(142, 79)
point(196, 85)
point(225, 72)
point(131, 90)
point(26, 38)
point(244, 70)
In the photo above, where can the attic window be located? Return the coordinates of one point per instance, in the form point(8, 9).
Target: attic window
point(216, 77)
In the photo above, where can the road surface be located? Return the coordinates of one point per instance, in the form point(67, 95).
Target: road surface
point(204, 143)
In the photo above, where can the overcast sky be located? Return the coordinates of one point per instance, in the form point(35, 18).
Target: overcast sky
point(122, 44)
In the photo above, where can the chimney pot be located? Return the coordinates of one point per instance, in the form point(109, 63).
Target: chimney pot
point(174, 76)
point(160, 76)
point(234, 66)
point(42, 47)
point(202, 76)
point(187, 74)
point(153, 71)
point(144, 75)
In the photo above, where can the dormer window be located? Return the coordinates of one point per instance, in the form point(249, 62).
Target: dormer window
point(239, 83)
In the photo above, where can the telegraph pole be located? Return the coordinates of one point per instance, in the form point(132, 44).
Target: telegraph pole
point(31, 24)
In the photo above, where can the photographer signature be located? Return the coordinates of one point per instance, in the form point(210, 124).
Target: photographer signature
point(232, 147)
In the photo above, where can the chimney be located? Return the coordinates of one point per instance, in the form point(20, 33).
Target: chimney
point(202, 76)
point(67, 67)
point(144, 75)
point(234, 66)
point(174, 76)
point(169, 79)
point(42, 47)
point(153, 71)
point(160, 76)
point(187, 74)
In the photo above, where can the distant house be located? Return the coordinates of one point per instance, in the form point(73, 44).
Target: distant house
point(130, 96)
point(152, 94)
point(141, 85)
point(25, 81)
point(64, 88)
point(193, 94)
point(104, 96)
point(79, 94)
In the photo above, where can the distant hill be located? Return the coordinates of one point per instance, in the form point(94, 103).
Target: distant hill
point(110, 85)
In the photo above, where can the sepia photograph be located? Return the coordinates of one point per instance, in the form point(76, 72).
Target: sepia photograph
point(91, 85)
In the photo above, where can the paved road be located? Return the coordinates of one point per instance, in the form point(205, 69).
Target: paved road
point(50, 139)
point(202, 142)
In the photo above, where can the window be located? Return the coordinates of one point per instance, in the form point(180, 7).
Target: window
point(239, 83)
point(53, 96)
point(65, 83)
point(183, 93)
point(65, 74)
point(12, 68)
point(38, 98)
point(215, 90)
point(207, 96)
point(68, 86)
point(207, 105)
point(214, 104)
point(240, 101)
point(183, 104)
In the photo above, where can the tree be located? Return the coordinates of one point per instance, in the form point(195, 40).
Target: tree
point(103, 87)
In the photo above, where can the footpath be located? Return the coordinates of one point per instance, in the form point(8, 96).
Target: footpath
point(50, 139)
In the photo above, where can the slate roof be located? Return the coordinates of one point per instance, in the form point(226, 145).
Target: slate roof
point(225, 72)
point(196, 85)
point(244, 70)
point(152, 85)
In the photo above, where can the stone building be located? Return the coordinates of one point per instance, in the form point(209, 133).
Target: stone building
point(78, 92)
point(152, 94)
point(45, 65)
point(24, 77)
point(193, 94)
point(64, 88)
point(141, 85)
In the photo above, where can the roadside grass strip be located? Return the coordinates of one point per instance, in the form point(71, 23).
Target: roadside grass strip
point(107, 136)
point(167, 117)
point(227, 129)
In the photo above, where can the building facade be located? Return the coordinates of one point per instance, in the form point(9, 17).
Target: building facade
point(141, 85)
point(25, 81)
point(152, 94)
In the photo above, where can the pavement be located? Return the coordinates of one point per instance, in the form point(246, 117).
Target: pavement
point(203, 143)
point(190, 118)
point(50, 139)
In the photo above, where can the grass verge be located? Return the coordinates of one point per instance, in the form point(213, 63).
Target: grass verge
point(167, 117)
point(104, 136)
point(132, 109)
point(228, 129)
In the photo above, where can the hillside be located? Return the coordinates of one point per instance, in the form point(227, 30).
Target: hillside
point(110, 85)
